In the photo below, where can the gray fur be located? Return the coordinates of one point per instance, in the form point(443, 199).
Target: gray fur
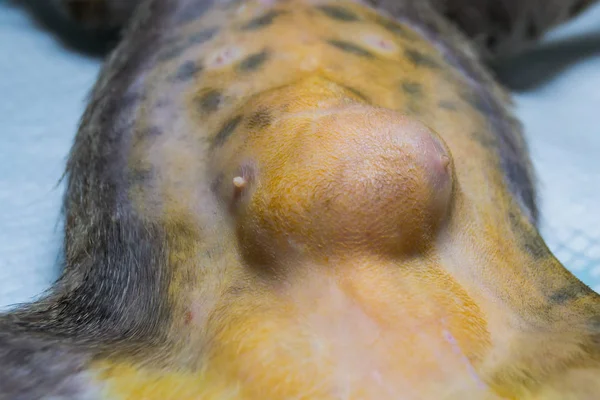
point(34, 368)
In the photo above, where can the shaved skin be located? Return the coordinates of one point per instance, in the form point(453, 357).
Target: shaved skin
point(339, 222)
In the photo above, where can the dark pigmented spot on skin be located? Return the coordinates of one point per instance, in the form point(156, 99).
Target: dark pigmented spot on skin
point(175, 46)
point(477, 102)
point(486, 140)
point(420, 59)
point(570, 293)
point(412, 88)
point(226, 131)
point(397, 29)
point(254, 61)
point(171, 52)
point(518, 173)
point(338, 13)
point(262, 21)
point(356, 92)
point(202, 36)
point(350, 48)
point(528, 238)
point(187, 70)
point(210, 101)
point(260, 120)
point(414, 91)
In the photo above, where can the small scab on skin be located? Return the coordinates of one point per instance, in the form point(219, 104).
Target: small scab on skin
point(209, 101)
point(421, 59)
point(202, 36)
point(187, 71)
point(227, 130)
point(262, 21)
point(254, 61)
point(412, 88)
point(350, 48)
point(356, 93)
point(338, 13)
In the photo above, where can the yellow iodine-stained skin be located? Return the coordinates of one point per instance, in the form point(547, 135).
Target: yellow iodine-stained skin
point(339, 222)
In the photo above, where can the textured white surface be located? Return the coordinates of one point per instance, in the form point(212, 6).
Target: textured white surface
point(44, 87)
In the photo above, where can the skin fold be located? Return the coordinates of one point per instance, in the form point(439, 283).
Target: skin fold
point(305, 200)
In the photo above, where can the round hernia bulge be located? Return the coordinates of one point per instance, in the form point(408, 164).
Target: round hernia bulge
point(344, 182)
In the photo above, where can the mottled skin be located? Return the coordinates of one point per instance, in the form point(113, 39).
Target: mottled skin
point(304, 199)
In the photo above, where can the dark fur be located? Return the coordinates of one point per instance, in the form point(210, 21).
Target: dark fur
point(500, 28)
point(112, 295)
